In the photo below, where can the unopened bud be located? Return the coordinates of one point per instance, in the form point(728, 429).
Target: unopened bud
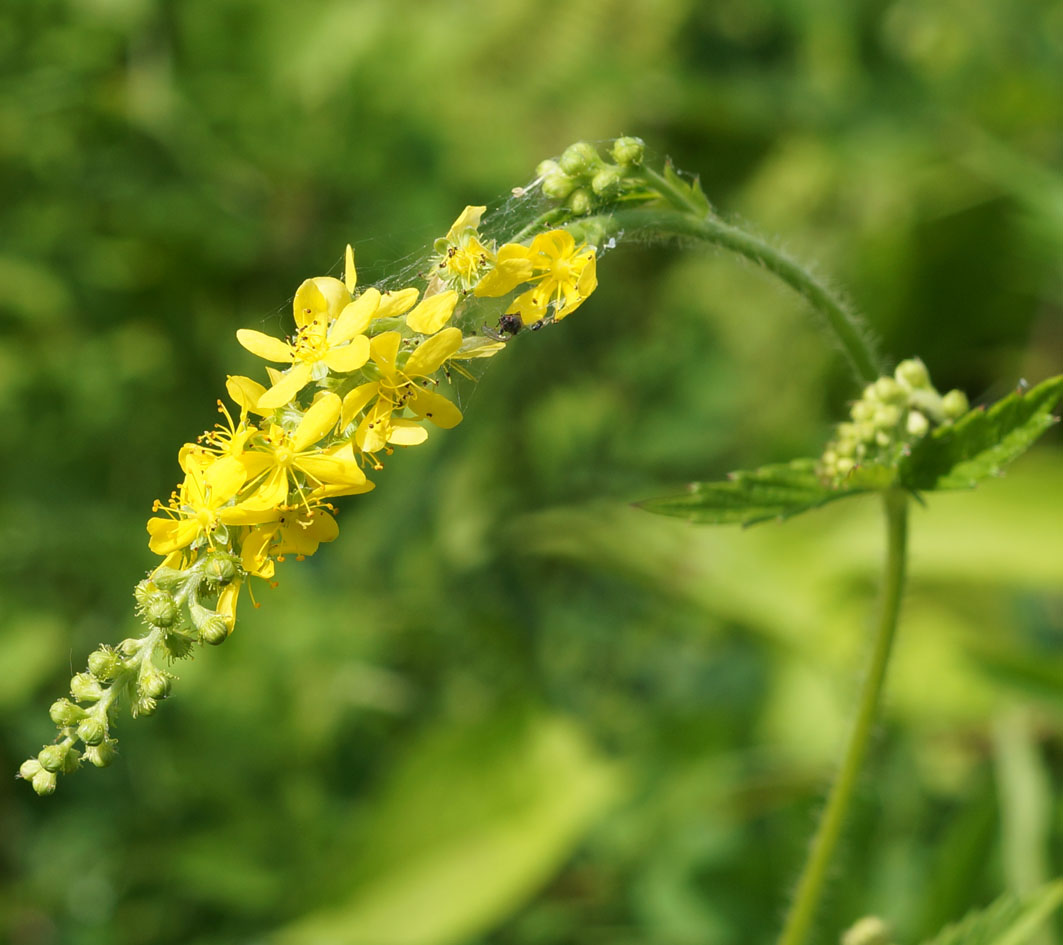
point(954, 404)
point(29, 768)
point(548, 168)
point(160, 610)
point(606, 182)
point(64, 712)
point(917, 423)
point(101, 755)
point(862, 410)
point(579, 158)
point(154, 684)
point(84, 688)
point(580, 202)
point(888, 391)
point(143, 591)
point(52, 757)
point(130, 647)
point(214, 630)
point(168, 579)
point(144, 705)
point(219, 569)
point(558, 186)
point(887, 416)
point(92, 731)
point(103, 664)
point(44, 783)
point(628, 151)
point(912, 373)
point(870, 930)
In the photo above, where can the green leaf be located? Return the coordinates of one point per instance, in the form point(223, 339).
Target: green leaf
point(691, 189)
point(982, 442)
point(748, 497)
point(474, 820)
point(1010, 920)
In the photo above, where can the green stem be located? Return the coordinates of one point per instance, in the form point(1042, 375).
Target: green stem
point(810, 885)
point(690, 222)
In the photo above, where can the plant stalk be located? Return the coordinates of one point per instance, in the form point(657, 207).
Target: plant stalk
point(652, 221)
point(810, 885)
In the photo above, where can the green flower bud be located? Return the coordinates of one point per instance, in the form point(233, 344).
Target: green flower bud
point(52, 757)
point(214, 631)
point(84, 688)
point(888, 391)
point(606, 182)
point(92, 731)
point(154, 684)
point(628, 151)
point(882, 438)
point(917, 423)
point(888, 416)
point(912, 373)
point(870, 930)
point(64, 712)
point(580, 202)
point(29, 768)
point(862, 410)
point(845, 466)
point(219, 569)
point(104, 664)
point(160, 610)
point(954, 404)
point(548, 168)
point(101, 755)
point(168, 579)
point(143, 591)
point(557, 186)
point(71, 761)
point(579, 159)
point(44, 783)
point(144, 705)
point(130, 647)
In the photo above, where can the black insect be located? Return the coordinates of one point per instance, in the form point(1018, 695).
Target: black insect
point(510, 324)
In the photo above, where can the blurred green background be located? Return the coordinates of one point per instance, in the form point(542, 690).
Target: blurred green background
point(505, 708)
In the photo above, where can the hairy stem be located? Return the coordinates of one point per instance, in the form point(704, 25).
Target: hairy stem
point(839, 316)
point(810, 885)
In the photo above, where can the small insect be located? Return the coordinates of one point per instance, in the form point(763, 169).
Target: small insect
point(510, 324)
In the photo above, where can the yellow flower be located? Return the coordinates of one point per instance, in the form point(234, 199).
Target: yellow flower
point(461, 255)
point(203, 504)
point(402, 387)
point(282, 459)
point(564, 276)
point(293, 531)
point(329, 335)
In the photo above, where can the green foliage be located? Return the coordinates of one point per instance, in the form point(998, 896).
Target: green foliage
point(1011, 920)
point(981, 443)
point(748, 497)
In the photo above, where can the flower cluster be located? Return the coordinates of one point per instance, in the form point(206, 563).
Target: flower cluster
point(360, 375)
point(891, 415)
point(583, 180)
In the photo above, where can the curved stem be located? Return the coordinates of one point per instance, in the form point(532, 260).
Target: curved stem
point(841, 319)
point(810, 885)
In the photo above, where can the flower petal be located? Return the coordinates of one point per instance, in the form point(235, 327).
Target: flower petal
point(355, 317)
point(308, 303)
point(384, 349)
point(350, 274)
point(225, 477)
point(468, 219)
point(406, 433)
point(435, 407)
point(355, 401)
point(396, 303)
point(245, 392)
point(271, 494)
point(317, 421)
point(513, 266)
point(265, 346)
point(287, 387)
point(433, 313)
point(432, 352)
point(348, 357)
point(169, 534)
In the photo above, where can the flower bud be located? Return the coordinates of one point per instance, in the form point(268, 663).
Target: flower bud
point(219, 569)
point(44, 783)
point(214, 630)
point(888, 391)
point(954, 404)
point(887, 416)
point(870, 930)
point(862, 410)
point(84, 688)
point(912, 373)
point(606, 182)
point(548, 168)
point(144, 705)
point(579, 158)
point(92, 731)
point(154, 684)
point(628, 151)
point(160, 610)
point(143, 591)
point(580, 202)
point(52, 757)
point(101, 755)
point(64, 712)
point(917, 423)
point(104, 664)
point(130, 646)
point(168, 579)
point(557, 186)
point(29, 768)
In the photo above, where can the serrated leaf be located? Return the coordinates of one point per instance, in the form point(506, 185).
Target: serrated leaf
point(772, 492)
point(1008, 921)
point(982, 442)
